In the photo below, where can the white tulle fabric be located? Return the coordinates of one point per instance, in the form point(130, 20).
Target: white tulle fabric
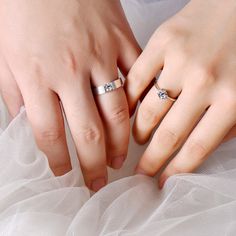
point(33, 202)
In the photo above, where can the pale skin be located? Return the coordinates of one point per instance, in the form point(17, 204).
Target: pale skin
point(51, 54)
point(195, 54)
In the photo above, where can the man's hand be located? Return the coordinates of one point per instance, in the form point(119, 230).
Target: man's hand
point(54, 51)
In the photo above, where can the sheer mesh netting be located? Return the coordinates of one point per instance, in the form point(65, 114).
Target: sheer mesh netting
point(33, 202)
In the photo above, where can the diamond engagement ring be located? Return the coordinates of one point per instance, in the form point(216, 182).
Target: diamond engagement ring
point(162, 93)
point(108, 87)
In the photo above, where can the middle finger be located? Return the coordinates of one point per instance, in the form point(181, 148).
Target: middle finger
point(87, 131)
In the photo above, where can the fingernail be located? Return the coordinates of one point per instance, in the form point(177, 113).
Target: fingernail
point(139, 170)
point(117, 162)
point(98, 184)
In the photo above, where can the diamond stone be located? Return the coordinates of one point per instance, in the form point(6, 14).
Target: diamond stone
point(108, 87)
point(162, 94)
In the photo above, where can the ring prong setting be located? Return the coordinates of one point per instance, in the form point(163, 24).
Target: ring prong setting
point(162, 94)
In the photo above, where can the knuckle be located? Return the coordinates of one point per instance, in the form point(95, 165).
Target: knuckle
point(197, 149)
point(204, 77)
point(150, 164)
point(176, 167)
point(119, 114)
point(181, 52)
point(36, 67)
point(168, 34)
point(90, 134)
point(168, 138)
point(97, 51)
point(69, 60)
point(148, 115)
point(164, 34)
point(50, 136)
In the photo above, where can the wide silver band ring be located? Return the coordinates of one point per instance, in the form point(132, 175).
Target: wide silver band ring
point(162, 93)
point(108, 87)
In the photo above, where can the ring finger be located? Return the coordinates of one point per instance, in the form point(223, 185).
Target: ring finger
point(152, 109)
point(114, 111)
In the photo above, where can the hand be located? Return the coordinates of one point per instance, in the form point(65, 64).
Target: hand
point(195, 51)
point(51, 53)
point(230, 135)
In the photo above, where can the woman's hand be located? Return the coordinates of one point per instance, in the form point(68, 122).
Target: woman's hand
point(54, 51)
point(195, 51)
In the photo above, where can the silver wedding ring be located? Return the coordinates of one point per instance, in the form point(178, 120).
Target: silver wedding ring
point(108, 87)
point(162, 93)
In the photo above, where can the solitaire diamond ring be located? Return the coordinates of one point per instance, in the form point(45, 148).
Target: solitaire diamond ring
point(162, 93)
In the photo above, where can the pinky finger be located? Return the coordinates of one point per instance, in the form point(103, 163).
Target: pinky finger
point(9, 90)
point(204, 139)
point(12, 98)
